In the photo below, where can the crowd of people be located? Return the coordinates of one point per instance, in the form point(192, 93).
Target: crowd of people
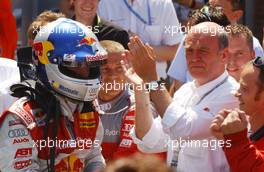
point(123, 86)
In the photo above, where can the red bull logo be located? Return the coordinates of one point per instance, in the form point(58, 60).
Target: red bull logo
point(42, 50)
point(70, 164)
point(87, 40)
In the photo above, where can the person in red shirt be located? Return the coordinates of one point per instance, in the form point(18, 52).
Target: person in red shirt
point(8, 33)
point(116, 106)
point(245, 154)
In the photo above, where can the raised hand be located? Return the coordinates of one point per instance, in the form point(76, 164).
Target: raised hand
point(235, 122)
point(228, 122)
point(142, 59)
point(129, 72)
point(217, 122)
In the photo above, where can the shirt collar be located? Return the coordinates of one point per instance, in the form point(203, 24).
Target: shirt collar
point(201, 90)
point(258, 134)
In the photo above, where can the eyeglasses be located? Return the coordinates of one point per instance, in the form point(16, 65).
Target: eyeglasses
point(259, 62)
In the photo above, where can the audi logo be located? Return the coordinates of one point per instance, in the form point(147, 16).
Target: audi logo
point(19, 132)
point(93, 90)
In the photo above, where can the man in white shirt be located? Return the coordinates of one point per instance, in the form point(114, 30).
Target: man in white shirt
point(234, 11)
point(186, 117)
point(154, 21)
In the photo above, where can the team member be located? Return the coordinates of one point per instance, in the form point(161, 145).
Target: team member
point(189, 114)
point(240, 49)
point(233, 9)
point(178, 71)
point(245, 154)
point(53, 126)
point(117, 105)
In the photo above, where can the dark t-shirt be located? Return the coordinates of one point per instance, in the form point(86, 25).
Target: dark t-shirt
point(109, 31)
point(105, 30)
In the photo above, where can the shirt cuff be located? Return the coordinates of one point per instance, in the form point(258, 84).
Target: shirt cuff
point(172, 114)
point(151, 137)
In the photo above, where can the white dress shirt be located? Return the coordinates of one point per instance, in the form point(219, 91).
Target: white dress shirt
point(189, 117)
point(157, 31)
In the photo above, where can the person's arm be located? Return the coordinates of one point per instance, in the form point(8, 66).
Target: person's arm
point(154, 141)
point(162, 99)
point(147, 133)
point(143, 117)
point(142, 58)
point(242, 155)
point(176, 84)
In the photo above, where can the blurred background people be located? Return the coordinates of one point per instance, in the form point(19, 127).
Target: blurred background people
point(8, 33)
point(66, 7)
point(154, 21)
point(138, 163)
point(41, 20)
point(184, 7)
point(85, 11)
point(233, 9)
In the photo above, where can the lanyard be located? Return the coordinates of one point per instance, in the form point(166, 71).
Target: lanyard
point(137, 15)
point(206, 94)
point(174, 161)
